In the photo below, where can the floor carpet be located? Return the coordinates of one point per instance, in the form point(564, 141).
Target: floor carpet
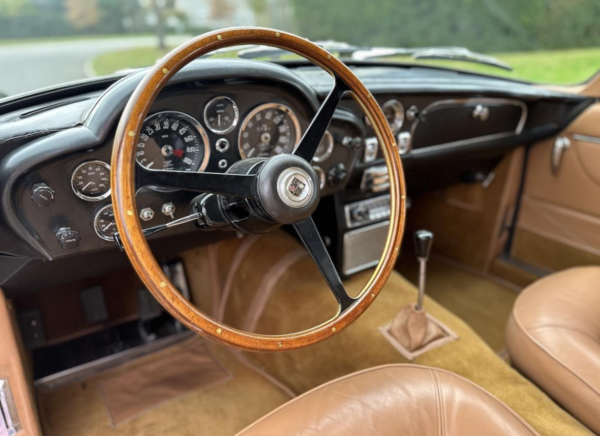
point(224, 409)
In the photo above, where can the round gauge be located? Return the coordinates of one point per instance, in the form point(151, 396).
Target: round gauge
point(172, 141)
point(221, 115)
point(91, 180)
point(268, 130)
point(394, 113)
point(325, 147)
point(105, 224)
point(321, 175)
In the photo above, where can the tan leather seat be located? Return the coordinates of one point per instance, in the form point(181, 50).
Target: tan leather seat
point(394, 400)
point(553, 337)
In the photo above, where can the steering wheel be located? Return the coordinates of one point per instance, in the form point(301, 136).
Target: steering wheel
point(283, 189)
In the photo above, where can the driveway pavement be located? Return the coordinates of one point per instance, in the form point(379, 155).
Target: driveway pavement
point(25, 67)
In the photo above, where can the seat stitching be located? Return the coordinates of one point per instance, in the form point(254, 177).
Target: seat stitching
point(437, 403)
point(442, 405)
point(563, 327)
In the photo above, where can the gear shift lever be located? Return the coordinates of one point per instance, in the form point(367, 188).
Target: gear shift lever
point(423, 243)
point(411, 327)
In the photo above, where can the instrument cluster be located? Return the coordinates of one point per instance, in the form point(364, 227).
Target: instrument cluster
point(174, 140)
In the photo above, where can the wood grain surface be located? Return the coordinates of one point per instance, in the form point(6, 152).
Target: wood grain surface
point(126, 214)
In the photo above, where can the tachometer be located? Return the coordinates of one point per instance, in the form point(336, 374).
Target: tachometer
point(172, 141)
point(91, 180)
point(268, 130)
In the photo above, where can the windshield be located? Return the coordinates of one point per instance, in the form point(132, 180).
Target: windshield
point(47, 42)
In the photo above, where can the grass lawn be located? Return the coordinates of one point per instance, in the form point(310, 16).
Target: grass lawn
point(138, 57)
point(565, 67)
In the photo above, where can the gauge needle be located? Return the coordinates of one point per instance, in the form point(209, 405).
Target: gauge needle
point(219, 120)
point(84, 188)
point(105, 228)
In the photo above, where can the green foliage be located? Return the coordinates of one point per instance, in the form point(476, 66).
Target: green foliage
point(481, 25)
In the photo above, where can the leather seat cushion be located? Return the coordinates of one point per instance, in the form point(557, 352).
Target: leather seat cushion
point(553, 337)
point(394, 400)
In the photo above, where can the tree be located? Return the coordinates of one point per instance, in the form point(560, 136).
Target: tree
point(10, 8)
point(82, 14)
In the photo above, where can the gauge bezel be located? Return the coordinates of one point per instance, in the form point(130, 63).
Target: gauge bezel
point(329, 149)
point(81, 194)
point(321, 174)
point(399, 116)
point(194, 122)
point(96, 216)
point(236, 118)
point(396, 125)
point(262, 107)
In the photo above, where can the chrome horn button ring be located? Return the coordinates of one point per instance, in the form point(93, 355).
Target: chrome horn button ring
point(295, 187)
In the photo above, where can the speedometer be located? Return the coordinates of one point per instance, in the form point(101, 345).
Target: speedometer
point(172, 141)
point(268, 130)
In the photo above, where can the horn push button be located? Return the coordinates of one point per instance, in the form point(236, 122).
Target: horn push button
point(288, 189)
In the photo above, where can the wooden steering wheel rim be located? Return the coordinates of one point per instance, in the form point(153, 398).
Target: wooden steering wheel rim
point(126, 214)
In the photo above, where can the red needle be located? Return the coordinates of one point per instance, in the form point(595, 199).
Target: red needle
point(178, 153)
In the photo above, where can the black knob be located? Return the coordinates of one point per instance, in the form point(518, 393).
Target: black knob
point(42, 194)
point(68, 238)
point(360, 214)
point(423, 243)
point(337, 174)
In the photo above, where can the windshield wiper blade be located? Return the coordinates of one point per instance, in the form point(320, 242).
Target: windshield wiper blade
point(269, 52)
point(460, 54)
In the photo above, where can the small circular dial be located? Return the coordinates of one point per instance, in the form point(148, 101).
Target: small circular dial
point(172, 141)
point(325, 147)
point(221, 115)
point(394, 114)
point(104, 223)
point(91, 180)
point(268, 130)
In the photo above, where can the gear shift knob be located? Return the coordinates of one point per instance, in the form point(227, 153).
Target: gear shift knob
point(423, 243)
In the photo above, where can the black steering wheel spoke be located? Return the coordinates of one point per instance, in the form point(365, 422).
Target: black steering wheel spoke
point(312, 137)
point(309, 234)
point(236, 185)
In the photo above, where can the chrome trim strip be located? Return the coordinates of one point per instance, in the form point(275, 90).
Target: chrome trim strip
point(586, 138)
point(461, 143)
point(9, 417)
point(91, 368)
point(472, 101)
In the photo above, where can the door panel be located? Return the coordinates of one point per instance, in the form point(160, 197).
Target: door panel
point(560, 210)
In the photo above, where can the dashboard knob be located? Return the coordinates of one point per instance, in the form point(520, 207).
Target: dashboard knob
point(360, 214)
point(42, 194)
point(68, 238)
point(337, 174)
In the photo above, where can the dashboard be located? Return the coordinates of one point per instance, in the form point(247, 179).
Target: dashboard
point(55, 150)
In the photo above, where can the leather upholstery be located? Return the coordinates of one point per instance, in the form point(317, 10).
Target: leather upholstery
point(406, 400)
point(553, 337)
